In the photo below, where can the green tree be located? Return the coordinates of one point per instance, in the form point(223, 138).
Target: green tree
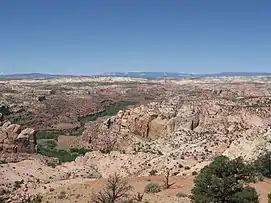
point(223, 181)
point(263, 165)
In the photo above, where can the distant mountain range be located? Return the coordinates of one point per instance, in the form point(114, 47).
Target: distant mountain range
point(29, 76)
point(150, 75)
point(157, 75)
point(239, 74)
point(147, 75)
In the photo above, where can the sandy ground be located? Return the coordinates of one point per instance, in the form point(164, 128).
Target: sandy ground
point(81, 192)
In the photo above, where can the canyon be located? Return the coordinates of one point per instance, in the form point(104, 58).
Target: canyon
point(71, 133)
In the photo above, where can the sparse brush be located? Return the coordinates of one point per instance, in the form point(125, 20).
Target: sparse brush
point(116, 190)
point(152, 188)
point(139, 196)
point(153, 172)
point(180, 194)
point(32, 199)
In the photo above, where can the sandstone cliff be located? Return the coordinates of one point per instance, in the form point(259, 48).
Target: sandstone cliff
point(14, 139)
point(184, 128)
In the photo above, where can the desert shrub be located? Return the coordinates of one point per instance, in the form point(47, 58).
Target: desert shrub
point(116, 190)
point(139, 197)
point(269, 197)
point(180, 166)
point(180, 194)
point(32, 199)
point(153, 172)
point(223, 181)
point(18, 184)
point(263, 165)
point(194, 173)
point(62, 195)
point(152, 188)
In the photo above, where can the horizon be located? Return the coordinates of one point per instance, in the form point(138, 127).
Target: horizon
point(91, 37)
point(104, 73)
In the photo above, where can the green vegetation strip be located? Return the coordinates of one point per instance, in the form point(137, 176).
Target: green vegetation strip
point(111, 110)
point(47, 145)
point(55, 134)
point(49, 148)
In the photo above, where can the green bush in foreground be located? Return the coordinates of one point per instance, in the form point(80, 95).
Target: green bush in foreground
point(152, 188)
point(223, 181)
point(263, 165)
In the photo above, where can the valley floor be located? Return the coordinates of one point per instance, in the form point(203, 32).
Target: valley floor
point(81, 191)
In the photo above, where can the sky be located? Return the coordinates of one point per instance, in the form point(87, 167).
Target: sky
point(96, 36)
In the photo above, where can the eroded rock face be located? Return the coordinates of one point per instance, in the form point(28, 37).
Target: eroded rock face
point(152, 121)
point(200, 129)
point(14, 139)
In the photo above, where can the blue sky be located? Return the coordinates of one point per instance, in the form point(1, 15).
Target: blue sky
point(94, 36)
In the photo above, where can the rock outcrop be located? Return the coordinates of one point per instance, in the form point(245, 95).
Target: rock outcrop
point(14, 139)
point(195, 129)
point(249, 148)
